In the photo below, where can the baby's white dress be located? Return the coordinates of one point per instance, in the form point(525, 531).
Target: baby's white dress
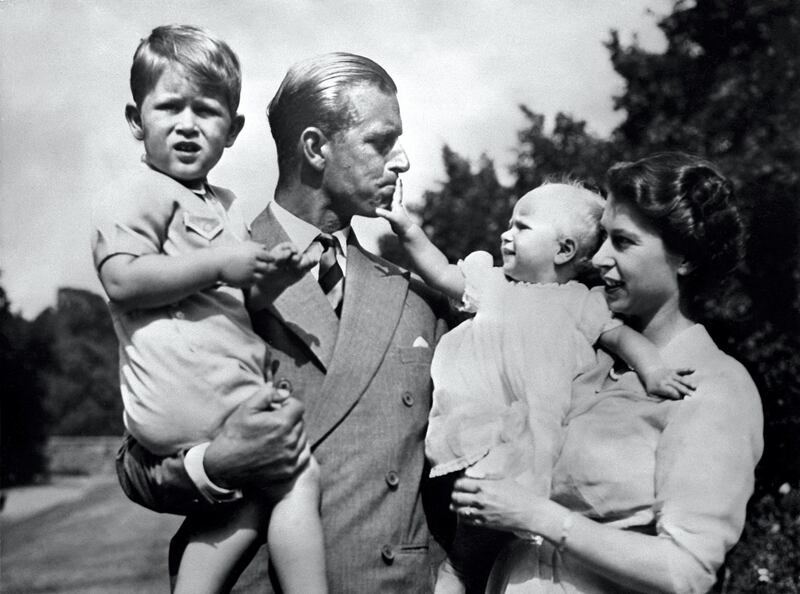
point(503, 379)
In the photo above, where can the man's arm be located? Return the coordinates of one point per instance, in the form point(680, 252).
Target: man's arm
point(256, 448)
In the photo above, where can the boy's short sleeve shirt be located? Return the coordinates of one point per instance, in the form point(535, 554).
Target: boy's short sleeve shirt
point(185, 366)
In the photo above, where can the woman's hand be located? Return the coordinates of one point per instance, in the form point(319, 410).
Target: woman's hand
point(501, 504)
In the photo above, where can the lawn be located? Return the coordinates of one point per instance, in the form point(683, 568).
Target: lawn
point(91, 541)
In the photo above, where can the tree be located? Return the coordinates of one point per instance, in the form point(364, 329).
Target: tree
point(22, 419)
point(728, 87)
point(569, 150)
point(82, 382)
point(471, 209)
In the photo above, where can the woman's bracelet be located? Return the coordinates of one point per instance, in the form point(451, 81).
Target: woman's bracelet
point(566, 526)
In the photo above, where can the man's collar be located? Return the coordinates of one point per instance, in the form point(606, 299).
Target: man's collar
point(303, 233)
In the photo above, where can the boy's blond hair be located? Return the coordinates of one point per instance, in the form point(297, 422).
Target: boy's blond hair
point(208, 61)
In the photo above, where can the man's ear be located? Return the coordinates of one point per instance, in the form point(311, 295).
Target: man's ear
point(567, 248)
point(236, 126)
point(315, 149)
point(134, 121)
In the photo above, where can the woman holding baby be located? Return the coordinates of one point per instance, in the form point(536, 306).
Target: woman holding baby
point(648, 495)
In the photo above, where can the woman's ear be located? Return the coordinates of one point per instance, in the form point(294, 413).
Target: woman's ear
point(134, 121)
point(314, 143)
point(567, 248)
point(685, 267)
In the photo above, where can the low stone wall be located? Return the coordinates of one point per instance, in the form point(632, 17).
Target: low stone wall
point(82, 455)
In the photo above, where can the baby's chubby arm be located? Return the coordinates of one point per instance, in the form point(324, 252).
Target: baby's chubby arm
point(643, 357)
point(429, 261)
point(155, 280)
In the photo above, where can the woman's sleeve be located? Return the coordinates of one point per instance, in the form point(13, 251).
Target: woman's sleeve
point(705, 466)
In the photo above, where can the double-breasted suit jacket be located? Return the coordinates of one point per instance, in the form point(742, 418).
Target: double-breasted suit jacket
point(365, 382)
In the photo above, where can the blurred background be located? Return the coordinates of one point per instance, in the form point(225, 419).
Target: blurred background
point(493, 98)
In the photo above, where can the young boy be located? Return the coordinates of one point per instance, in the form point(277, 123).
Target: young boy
point(173, 254)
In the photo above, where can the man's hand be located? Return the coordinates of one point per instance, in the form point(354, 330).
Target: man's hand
point(258, 447)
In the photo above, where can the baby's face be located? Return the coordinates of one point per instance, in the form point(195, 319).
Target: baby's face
point(184, 129)
point(531, 242)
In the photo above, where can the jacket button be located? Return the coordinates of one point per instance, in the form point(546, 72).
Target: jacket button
point(284, 384)
point(392, 479)
point(387, 553)
point(408, 399)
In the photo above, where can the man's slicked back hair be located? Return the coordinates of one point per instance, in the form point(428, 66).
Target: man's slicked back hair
point(208, 61)
point(311, 94)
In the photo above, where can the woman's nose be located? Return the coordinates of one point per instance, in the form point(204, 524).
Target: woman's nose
point(602, 259)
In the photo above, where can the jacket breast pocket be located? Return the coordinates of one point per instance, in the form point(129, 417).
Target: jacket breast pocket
point(419, 354)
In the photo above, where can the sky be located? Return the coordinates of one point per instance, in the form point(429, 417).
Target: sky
point(461, 66)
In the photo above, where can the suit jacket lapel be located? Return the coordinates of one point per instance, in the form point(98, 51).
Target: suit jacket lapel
point(374, 296)
point(302, 307)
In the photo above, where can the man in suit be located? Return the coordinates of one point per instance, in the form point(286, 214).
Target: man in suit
point(353, 339)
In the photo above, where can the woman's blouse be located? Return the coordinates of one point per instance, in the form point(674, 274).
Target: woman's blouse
point(683, 470)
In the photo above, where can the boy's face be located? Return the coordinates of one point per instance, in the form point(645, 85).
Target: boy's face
point(184, 129)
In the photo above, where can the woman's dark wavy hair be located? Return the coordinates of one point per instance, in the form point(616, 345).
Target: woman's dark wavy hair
point(691, 205)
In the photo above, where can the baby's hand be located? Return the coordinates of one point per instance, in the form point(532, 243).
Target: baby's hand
point(242, 264)
point(673, 384)
point(397, 216)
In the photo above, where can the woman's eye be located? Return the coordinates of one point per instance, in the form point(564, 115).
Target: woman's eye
point(620, 242)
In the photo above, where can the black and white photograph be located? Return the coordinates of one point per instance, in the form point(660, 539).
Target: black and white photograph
point(339, 296)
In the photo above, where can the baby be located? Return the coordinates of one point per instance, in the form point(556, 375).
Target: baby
point(173, 254)
point(502, 379)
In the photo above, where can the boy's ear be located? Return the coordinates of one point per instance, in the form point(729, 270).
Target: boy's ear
point(237, 123)
point(134, 121)
point(567, 248)
point(315, 147)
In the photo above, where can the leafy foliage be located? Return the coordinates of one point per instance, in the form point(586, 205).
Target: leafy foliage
point(82, 382)
point(727, 87)
point(22, 422)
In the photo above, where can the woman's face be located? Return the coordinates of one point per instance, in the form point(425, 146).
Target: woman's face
point(640, 274)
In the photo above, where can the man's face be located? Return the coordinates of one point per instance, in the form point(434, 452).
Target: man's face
point(363, 161)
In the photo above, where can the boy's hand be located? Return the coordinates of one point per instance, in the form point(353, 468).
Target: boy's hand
point(397, 216)
point(285, 266)
point(673, 384)
point(243, 264)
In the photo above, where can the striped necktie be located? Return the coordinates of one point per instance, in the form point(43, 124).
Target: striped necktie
point(331, 277)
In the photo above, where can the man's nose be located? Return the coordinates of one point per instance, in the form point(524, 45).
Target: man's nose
point(398, 161)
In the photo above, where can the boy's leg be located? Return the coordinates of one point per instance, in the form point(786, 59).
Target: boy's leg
point(294, 536)
point(216, 548)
